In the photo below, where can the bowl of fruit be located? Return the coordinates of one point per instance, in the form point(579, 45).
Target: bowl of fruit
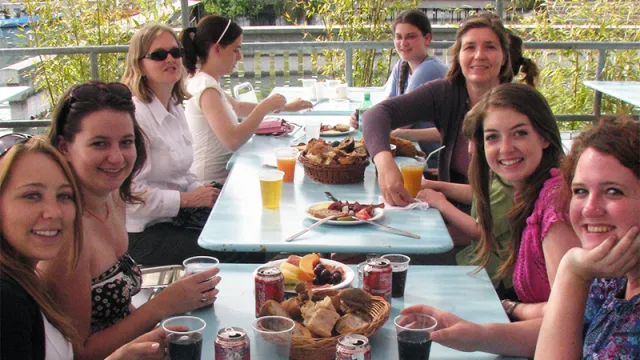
point(316, 272)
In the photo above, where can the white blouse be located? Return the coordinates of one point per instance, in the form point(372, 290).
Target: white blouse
point(166, 172)
point(210, 156)
point(56, 347)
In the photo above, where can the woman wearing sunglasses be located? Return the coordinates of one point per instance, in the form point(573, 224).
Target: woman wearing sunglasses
point(157, 233)
point(38, 219)
point(212, 50)
point(94, 128)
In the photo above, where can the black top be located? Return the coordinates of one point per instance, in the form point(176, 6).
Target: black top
point(21, 324)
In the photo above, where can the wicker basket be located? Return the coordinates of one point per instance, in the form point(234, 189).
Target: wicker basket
point(333, 174)
point(304, 348)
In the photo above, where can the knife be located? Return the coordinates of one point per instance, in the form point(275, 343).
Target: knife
point(294, 236)
point(330, 196)
point(391, 229)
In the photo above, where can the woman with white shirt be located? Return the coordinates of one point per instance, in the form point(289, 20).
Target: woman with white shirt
point(212, 50)
point(172, 193)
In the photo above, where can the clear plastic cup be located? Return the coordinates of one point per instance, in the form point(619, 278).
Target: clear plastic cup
point(198, 264)
point(309, 89)
point(312, 128)
point(413, 333)
point(272, 336)
point(412, 175)
point(271, 188)
point(184, 344)
point(286, 159)
point(399, 268)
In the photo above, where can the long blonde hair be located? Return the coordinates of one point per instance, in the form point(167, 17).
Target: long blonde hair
point(138, 48)
point(14, 264)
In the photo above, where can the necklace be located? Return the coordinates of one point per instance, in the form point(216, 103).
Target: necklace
point(96, 216)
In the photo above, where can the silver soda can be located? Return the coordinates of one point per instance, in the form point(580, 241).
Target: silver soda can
point(232, 343)
point(353, 347)
point(377, 278)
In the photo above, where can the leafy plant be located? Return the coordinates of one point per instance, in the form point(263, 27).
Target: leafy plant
point(65, 23)
point(564, 71)
point(234, 8)
point(356, 20)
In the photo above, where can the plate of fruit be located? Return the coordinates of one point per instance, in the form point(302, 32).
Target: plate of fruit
point(316, 272)
point(347, 213)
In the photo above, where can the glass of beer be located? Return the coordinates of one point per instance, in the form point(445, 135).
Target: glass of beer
point(412, 175)
point(286, 160)
point(270, 188)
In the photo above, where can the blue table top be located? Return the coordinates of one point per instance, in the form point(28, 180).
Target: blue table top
point(452, 288)
point(628, 91)
point(332, 107)
point(238, 221)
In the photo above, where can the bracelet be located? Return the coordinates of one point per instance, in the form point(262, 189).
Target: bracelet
point(511, 306)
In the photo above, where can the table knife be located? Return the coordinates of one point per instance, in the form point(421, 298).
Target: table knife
point(391, 229)
point(294, 236)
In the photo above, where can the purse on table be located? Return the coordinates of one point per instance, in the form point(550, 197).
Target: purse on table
point(274, 127)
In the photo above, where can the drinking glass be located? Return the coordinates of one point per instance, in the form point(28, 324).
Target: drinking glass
point(309, 89)
point(184, 344)
point(312, 128)
point(272, 336)
point(199, 264)
point(286, 160)
point(412, 175)
point(399, 268)
point(414, 336)
point(271, 188)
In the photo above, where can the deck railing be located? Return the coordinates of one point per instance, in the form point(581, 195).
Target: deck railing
point(264, 81)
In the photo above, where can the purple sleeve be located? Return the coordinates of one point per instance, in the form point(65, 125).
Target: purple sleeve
point(407, 109)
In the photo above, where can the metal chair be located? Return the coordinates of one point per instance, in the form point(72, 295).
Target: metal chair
point(245, 92)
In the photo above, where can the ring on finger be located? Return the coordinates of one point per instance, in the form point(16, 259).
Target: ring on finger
point(203, 298)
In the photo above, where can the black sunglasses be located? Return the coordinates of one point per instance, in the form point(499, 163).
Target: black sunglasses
point(161, 55)
point(10, 140)
point(90, 91)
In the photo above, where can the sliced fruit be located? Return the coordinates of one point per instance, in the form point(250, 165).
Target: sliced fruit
point(294, 260)
point(291, 268)
point(308, 263)
point(304, 276)
point(289, 277)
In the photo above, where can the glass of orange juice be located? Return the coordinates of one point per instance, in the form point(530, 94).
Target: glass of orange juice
point(412, 176)
point(286, 159)
point(270, 188)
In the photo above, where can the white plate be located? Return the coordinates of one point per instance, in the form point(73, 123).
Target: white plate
point(346, 280)
point(377, 214)
point(337, 133)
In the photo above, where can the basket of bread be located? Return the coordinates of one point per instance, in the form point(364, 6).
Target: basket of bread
point(322, 316)
point(338, 162)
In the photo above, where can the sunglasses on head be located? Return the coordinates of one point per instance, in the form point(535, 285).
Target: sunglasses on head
point(161, 55)
point(91, 91)
point(10, 140)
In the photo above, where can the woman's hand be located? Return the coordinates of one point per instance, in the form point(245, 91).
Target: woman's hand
point(433, 198)
point(274, 103)
point(612, 258)
point(353, 121)
point(188, 293)
point(390, 180)
point(203, 196)
point(147, 346)
point(452, 331)
point(297, 105)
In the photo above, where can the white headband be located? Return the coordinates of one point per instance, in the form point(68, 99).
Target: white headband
point(224, 32)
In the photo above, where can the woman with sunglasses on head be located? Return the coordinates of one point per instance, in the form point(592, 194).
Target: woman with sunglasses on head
point(594, 308)
point(481, 61)
point(38, 219)
point(212, 49)
point(94, 128)
point(517, 140)
point(164, 229)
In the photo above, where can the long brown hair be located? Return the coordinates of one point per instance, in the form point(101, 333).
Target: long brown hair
point(139, 46)
point(70, 111)
point(480, 22)
point(420, 20)
point(616, 136)
point(14, 264)
point(527, 101)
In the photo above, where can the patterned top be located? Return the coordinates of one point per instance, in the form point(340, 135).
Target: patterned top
point(111, 293)
point(530, 280)
point(611, 323)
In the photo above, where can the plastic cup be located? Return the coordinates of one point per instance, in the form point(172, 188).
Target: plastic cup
point(271, 188)
point(412, 176)
point(309, 89)
point(312, 128)
point(413, 332)
point(286, 160)
point(399, 268)
point(199, 264)
point(332, 86)
point(184, 344)
point(272, 336)
point(321, 90)
point(361, 273)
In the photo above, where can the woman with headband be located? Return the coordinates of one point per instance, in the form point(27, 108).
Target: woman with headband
point(212, 50)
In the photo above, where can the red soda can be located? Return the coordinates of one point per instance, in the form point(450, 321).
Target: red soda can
point(377, 278)
point(353, 347)
point(232, 343)
point(269, 286)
